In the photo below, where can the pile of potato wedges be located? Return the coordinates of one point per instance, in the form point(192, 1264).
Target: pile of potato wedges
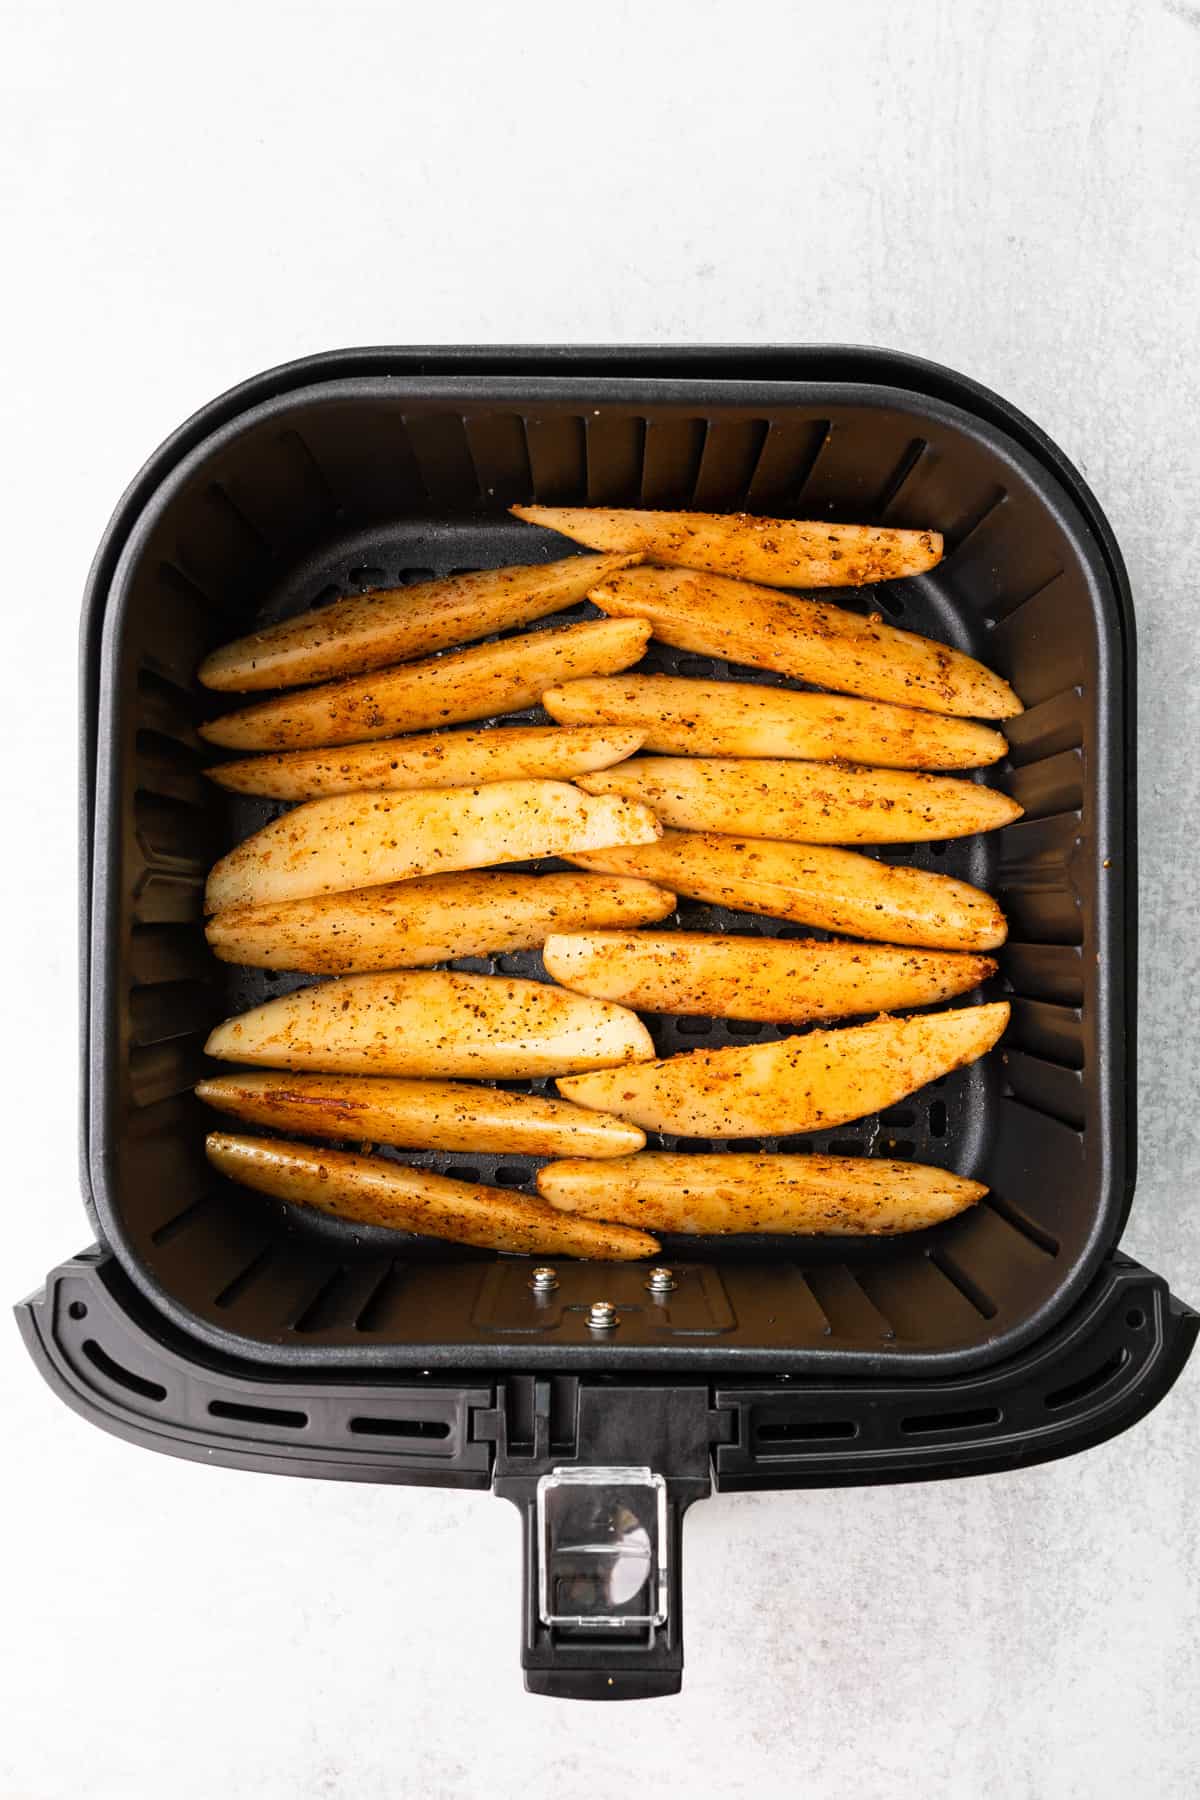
point(406, 815)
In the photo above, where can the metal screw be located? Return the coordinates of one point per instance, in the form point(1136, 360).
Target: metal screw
point(662, 1281)
point(603, 1315)
point(543, 1280)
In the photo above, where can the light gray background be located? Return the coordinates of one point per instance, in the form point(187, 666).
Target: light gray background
point(190, 194)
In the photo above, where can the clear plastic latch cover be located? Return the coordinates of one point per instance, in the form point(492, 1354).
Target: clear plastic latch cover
point(602, 1548)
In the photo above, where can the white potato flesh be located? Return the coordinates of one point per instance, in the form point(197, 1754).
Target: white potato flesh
point(685, 717)
point(813, 884)
point(775, 979)
point(363, 840)
point(812, 640)
point(418, 1115)
point(440, 759)
point(805, 802)
point(437, 1023)
point(391, 625)
point(796, 1084)
point(408, 924)
point(837, 1196)
point(780, 552)
point(481, 682)
point(369, 1190)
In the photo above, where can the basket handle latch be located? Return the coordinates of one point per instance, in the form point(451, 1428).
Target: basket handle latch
point(602, 1482)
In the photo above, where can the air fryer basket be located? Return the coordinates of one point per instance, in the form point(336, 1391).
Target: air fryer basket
point(214, 1326)
point(371, 478)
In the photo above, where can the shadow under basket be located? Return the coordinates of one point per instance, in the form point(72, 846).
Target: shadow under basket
point(378, 467)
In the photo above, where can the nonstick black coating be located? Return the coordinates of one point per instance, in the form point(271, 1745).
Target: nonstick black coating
point(359, 483)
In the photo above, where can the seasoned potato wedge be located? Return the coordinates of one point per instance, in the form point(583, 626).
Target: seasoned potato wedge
point(741, 718)
point(796, 1084)
point(441, 759)
point(838, 1196)
point(781, 552)
point(811, 639)
point(776, 979)
point(813, 884)
point(367, 1190)
point(419, 1115)
point(391, 625)
point(804, 802)
point(485, 680)
point(406, 924)
point(433, 1023)
point(363, 840)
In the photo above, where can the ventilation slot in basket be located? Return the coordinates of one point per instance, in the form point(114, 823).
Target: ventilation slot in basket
point(160, 1071)
point(1053, 784)
point(984, 1305)
point(444, 459)
point(118, 1373)
point(614, 448)
point(806, 1431)
point(671, 464)
point(284, 1417)
point(1088, 1384)
point(1036, 879)
point(376, 1425)
point(968, 1418)
point(233, 1290)
point(732, 448)
point(171, 1228)
point(1045, 730)
point(379, 1308)
point(789, 456)
point(888, 507)
point(496, 443)
point(556, 451)
point(1047, 1088)
point(1020, 1221)
point(167, 709)
point(1004, 610)
point(171, 954)
point(959, 532)
point(321, 1310)
point(1052, 1034)
point(166, 1010)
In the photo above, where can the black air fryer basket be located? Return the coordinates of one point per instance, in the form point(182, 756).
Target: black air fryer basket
point(217, 1325)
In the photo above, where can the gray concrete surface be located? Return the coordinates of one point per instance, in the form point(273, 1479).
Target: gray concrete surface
point(188, 196)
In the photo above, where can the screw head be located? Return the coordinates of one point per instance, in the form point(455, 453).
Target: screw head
point(661, 1281)
point(543, 1279)
point(602, 1316)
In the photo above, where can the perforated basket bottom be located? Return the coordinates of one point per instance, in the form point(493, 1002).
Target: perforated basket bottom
point(947, 1123)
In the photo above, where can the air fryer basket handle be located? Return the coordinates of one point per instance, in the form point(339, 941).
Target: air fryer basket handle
point(127, 1371)
point(602, 1476)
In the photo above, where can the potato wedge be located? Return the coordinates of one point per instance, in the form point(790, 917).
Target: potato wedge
point(479, 683)
point(810, 639)
point(836, 1196)
point(433, 1023)
point(441, 759)
point(392, 625)
point(806, 1083)
point(367, 1190)
point(814, 884)
point(740, 718)
point(419, 1115)
point(363, 840)
point(805, 802)
point(776, 979)
point(407, 924)
point(780, 552)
